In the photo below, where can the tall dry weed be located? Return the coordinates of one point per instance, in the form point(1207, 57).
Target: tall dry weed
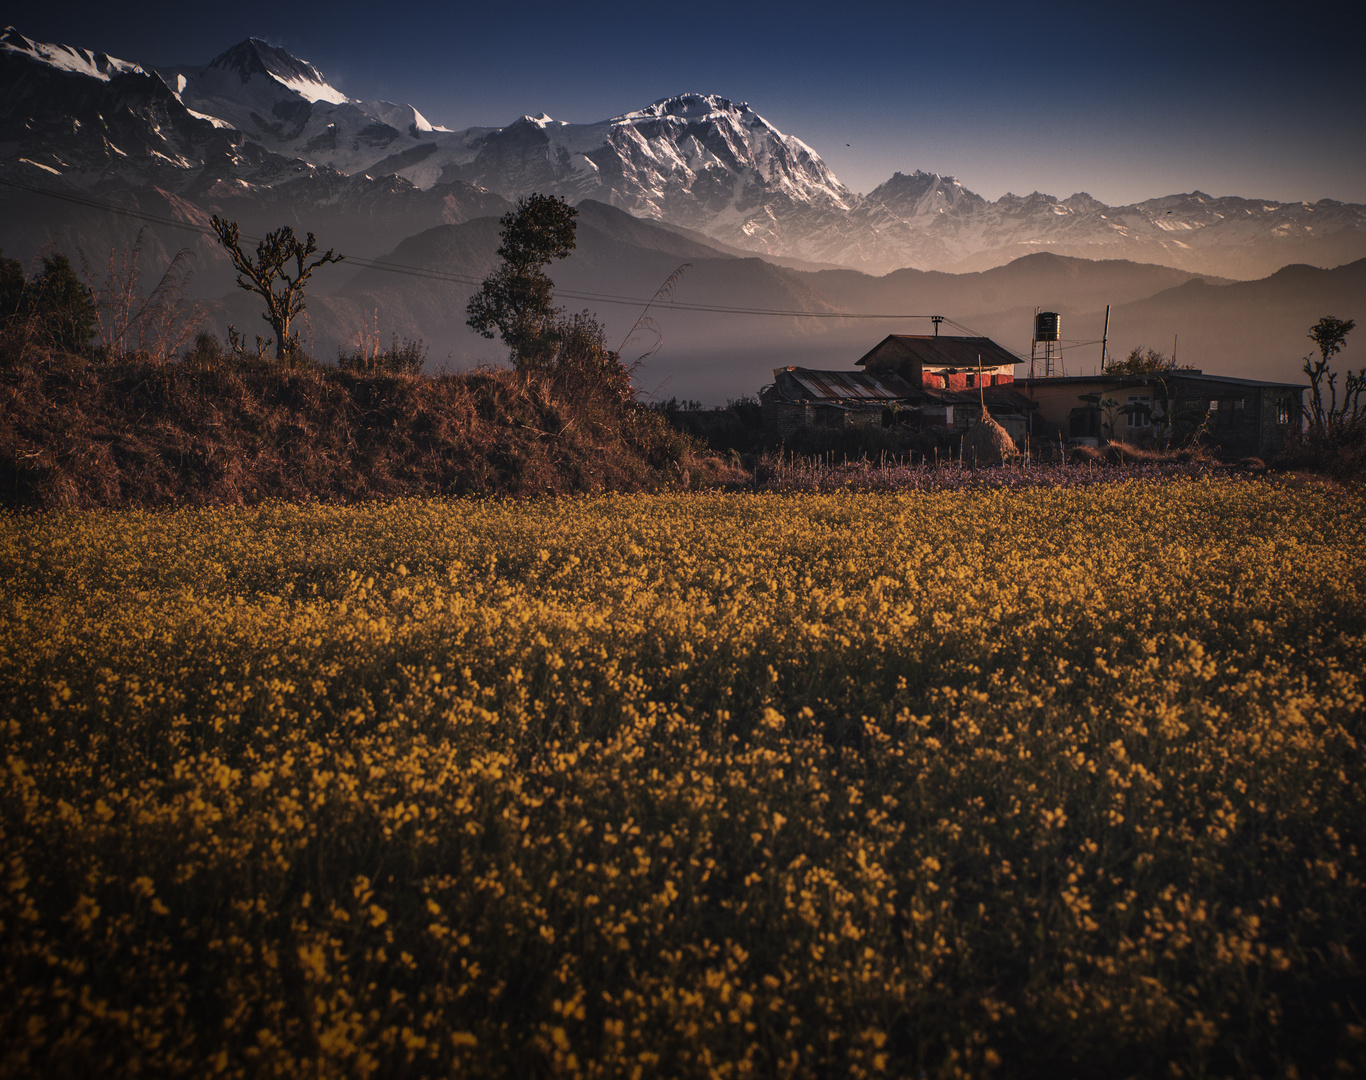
point(156, 325)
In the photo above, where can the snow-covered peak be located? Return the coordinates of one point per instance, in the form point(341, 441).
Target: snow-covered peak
point(66, 57)
point(922, 193)
point(707, 110)
point(542, 120)
point(401, 117)
point(701, 132)
point(255, 57)
point(916, 184)
point(688, 107)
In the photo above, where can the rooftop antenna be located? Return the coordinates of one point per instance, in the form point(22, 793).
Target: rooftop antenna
point(936, 319)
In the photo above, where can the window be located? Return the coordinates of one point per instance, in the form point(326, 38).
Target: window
point(1283, 411)
point(1138, 419)
point(1084, 424)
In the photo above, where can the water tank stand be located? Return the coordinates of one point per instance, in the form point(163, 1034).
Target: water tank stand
point(1045, 348)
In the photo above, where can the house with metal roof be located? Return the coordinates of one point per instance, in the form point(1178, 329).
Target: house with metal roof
point(932, 382)
point(945, 363)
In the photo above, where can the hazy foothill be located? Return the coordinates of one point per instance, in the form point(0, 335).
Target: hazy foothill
point(412, 668)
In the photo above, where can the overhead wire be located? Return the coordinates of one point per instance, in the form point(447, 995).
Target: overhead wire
point(970, 332)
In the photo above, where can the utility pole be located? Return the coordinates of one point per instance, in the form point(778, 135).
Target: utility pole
point(1104, 337)
point(936, 319)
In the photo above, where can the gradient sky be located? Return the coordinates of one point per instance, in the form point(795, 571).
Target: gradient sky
point(1123, 103)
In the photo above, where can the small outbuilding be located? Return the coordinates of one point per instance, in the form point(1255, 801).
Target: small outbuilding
point(1238, 417)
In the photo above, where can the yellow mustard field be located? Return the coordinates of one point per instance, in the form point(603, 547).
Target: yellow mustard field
point(1031, 783)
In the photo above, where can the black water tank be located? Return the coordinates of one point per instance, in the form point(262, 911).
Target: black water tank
point(1047, 326)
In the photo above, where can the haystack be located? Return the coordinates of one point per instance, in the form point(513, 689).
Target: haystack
point(987, 443)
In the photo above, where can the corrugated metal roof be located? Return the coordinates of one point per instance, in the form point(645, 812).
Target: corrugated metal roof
point(959, 352)
point(1234, 380)
point(845, 386)
point(1006, 398)
point(1143, 380)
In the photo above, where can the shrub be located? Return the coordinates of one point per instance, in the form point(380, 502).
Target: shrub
point(402, 357)
point(11, 288)
point(207, 351)
point(49, 317)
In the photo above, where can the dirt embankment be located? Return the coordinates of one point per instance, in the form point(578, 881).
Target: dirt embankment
point(78, 433)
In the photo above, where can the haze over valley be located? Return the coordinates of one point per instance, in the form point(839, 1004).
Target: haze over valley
point(782, 255)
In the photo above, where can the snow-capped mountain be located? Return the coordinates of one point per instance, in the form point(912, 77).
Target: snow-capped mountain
point(257, 119)
point(70, 111)
point(288, 107)
point(696, 160)
point(113, 130)
point(929, 221)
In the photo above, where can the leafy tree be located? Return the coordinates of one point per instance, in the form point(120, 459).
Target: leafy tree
point(1329, 334)
point(61, 304)
point(515, 300)
point(271, 277)
point(1141, 361)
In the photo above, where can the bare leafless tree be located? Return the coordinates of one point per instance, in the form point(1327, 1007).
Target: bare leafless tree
point(271, 277)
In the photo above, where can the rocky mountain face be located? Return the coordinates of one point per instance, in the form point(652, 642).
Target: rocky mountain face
point(71, 112)
point(110, 131)
point(257, 127)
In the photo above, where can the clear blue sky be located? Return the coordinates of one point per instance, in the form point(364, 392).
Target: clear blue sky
point(1124, 103)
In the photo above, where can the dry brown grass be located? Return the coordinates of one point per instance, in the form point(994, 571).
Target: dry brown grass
point(74, 433)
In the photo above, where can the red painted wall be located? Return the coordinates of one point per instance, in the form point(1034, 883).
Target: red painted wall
point(965, 380)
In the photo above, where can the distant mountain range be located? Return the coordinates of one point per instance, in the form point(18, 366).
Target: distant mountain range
point(261, 137)
point(257, 118)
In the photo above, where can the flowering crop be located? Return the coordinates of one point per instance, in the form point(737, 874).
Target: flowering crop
point(1008, 782)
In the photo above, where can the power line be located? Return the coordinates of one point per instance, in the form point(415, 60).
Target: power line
point(95, 204)
point(970, 332)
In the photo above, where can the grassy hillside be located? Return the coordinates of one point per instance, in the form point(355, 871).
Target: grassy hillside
point(75, 432)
